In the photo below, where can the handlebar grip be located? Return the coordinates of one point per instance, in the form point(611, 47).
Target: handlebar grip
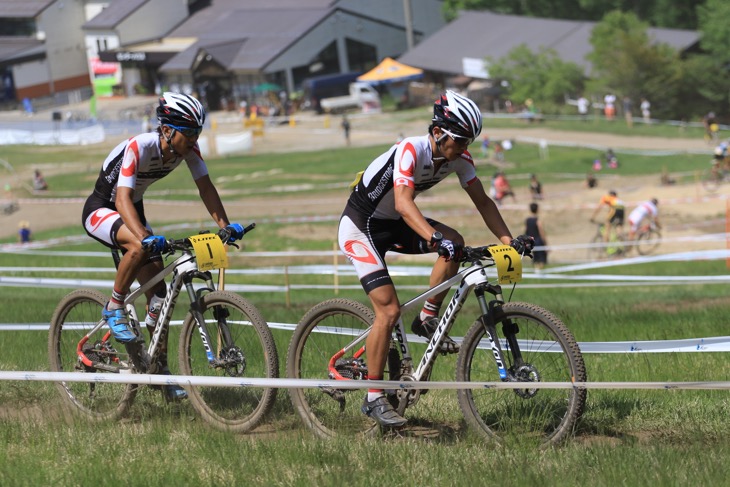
point(249, 228)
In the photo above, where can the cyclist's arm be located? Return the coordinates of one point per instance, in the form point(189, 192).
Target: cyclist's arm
point(212, 200)
point(126, 209)
point(406, 206)
point(489, 211)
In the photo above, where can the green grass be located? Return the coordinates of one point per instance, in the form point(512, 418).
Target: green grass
point(626, 437)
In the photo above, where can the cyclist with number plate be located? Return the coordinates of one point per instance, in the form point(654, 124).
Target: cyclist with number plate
point(114, 212)
point(381, 215)
point(615, 216)
point(648, 210)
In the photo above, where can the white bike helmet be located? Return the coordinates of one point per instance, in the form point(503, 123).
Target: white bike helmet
point(181, 110)
point(457, 114)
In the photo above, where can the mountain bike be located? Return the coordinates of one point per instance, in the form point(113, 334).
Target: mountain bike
point(715, 176)
point(508, 342)
point(648, 238)
point(234, 341)
point(599, 248)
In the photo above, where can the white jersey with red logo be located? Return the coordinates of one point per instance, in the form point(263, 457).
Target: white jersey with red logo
point(407, 163)
point(647, 209)
point(137, 163)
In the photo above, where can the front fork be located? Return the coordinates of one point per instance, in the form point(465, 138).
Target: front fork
point(196, 309)
point(509, 329)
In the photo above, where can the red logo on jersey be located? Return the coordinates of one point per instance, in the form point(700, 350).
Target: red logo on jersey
point(130, 167)
point(408, 169)
point(358, 251)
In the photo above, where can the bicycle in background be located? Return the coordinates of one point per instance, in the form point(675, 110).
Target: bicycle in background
point(234, 341)
point(599, 248)
point(508, 342)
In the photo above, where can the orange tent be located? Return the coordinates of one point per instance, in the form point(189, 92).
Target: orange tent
point(390, 71)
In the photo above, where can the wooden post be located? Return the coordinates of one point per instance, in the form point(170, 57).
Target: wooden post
point(727, 231)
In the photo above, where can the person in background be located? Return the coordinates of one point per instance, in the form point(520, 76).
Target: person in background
point(39, 182)
point(346, 128)
point(24, 233)
point(591, 181)
point(615, 216)
point(535, 187)
point(502, 188)
point(645, 110)
point(535, 229)
point(647, 210)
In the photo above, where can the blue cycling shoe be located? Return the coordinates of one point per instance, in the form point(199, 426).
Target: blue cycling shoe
point(118, 324)
point(172, 392)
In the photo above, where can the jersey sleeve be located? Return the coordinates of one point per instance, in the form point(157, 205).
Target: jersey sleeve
point(466, 171)
point(404, 165)
point(130, 164)
point(196, 164)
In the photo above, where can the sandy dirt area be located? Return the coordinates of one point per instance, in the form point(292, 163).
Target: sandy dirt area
point(686, 211)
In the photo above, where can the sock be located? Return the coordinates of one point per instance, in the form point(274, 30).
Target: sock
point(430, 308)
point(373, 394)
point(117, 300)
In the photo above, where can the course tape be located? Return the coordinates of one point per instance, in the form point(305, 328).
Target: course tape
point(708, 344)
point(284, 383)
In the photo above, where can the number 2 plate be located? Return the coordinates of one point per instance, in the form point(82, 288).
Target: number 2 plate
point(209, 252)
point(509, 264)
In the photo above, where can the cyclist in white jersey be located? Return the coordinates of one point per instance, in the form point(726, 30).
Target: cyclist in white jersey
point(114, 212)
point(648, 210)
point(381, 215)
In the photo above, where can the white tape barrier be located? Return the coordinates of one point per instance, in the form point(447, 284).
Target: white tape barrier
point(708, 344)
point(283, 383)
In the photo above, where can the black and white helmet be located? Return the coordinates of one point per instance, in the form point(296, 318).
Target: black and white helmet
point(181, 110)
point(457, 114)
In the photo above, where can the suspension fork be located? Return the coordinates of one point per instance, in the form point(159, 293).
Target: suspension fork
point(196, 309)
point(487, 319)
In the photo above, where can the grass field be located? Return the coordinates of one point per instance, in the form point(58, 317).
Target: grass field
point(626, 437)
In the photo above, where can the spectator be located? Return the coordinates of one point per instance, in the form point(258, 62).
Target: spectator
point(591, 181)
point(346, 128)
point(24, 233)
point(645, 110)
point(628, 114)
point(502, 188)
point(535, 187)
point(39, 183)
point(611, 159)
point(609, 106)
point(535, 229)
point(583, 107)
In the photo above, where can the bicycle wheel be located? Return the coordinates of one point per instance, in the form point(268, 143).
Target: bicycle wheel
point(549, 354)
point(648, 241)
point(711, 181)
point(74, 317)
point(248, 351)
point(597, 248)
point(323, 331)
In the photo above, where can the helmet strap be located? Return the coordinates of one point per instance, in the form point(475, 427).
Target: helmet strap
point(168, 139)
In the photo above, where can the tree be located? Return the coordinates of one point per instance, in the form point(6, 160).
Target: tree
point(714, 17)
point(541, 76)
point(625, 61)
point(677, 14)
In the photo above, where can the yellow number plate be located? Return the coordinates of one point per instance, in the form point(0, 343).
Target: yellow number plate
point(509, 264)
point(209, 252)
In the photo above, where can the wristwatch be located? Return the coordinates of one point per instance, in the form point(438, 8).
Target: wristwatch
point(437, 237)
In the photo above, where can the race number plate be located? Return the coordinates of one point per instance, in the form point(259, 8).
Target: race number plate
point(209, 252)
point(509, 264)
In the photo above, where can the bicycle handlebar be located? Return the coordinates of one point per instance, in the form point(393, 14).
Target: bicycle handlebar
point(172, 244)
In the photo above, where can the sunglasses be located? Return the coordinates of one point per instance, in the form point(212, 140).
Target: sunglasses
point(187, 131)
point(458, 139)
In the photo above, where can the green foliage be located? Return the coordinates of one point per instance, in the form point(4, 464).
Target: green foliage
point(714, 16)
point(661, 13)
point(542, 76)
point(626, 63)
